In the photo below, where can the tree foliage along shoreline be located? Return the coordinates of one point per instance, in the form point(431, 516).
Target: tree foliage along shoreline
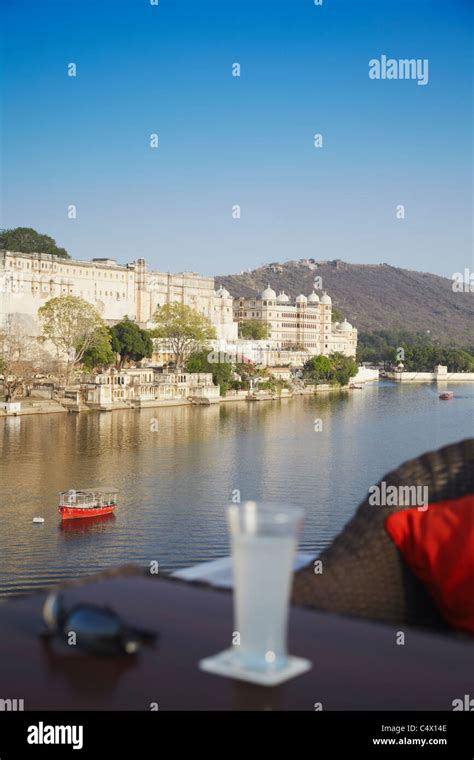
point(221, 371)
point(73, 326)
point(419, 352)
point(100, 356)
point(131, 342)
point(183, 328)
point(336, 369)
point(27, 240)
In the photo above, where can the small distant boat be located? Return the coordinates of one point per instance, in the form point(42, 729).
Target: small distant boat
point(446, 396)
point(38, 520)
point(88, 502)
point(355, 387)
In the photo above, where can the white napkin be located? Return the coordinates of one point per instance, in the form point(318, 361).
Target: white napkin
point(218, 572)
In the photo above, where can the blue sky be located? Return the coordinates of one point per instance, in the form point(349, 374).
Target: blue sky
point(143, 69)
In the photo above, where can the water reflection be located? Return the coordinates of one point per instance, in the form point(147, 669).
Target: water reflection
point(177, 467)
point(81, 527)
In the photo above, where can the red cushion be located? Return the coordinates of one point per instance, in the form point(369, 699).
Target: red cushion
point(438, 544)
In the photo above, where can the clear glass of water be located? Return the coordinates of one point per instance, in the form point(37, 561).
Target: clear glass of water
point(264, 540)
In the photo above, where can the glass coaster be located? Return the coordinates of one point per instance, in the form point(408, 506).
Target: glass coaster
point(224, 664)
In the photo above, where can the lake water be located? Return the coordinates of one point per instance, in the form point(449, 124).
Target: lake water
point(177, 467)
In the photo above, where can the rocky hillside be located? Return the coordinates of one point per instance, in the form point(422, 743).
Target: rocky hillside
point(372, 297)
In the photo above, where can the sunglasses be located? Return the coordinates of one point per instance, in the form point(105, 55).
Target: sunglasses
point(98, 630)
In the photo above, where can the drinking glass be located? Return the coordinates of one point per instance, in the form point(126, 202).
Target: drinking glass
point(264, 539)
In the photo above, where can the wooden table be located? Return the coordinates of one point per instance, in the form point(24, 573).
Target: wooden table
point(357, 665)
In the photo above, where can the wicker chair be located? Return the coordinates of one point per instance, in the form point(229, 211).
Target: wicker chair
point(364, 574)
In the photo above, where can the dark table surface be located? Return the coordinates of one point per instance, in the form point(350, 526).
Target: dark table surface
point(357, 665)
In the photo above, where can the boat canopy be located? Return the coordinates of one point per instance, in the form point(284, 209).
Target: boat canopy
point(86, 497)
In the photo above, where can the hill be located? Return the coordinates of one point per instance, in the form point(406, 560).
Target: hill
point(372, 297)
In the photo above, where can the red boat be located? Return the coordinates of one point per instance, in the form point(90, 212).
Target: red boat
point(446, 396)
point(88, 502)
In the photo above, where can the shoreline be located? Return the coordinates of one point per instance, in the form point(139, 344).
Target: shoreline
point(46, 406)
point(55, 407)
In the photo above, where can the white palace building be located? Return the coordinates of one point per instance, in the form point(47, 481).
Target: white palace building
point(28, 280)
point(305, 323)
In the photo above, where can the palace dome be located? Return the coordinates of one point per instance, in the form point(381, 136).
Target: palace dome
point(345, 326)
point(313, 297)
point(301, 298)
point(268, 294)
point(326, 299)
point(222, 293)
point(282, 297)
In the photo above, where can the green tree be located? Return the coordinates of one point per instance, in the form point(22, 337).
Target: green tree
point(457, 360)
point(336, 369)
point(101, 355)
point(344, 367)
point(73, 326)
point(222, 371)
point(383, 346)
point(27, 240)
point(254, 329)
point(131, 342)
point(318, 370)
point(183, 328)
point(422, 356)
point(420, 352)
point(275, 385)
